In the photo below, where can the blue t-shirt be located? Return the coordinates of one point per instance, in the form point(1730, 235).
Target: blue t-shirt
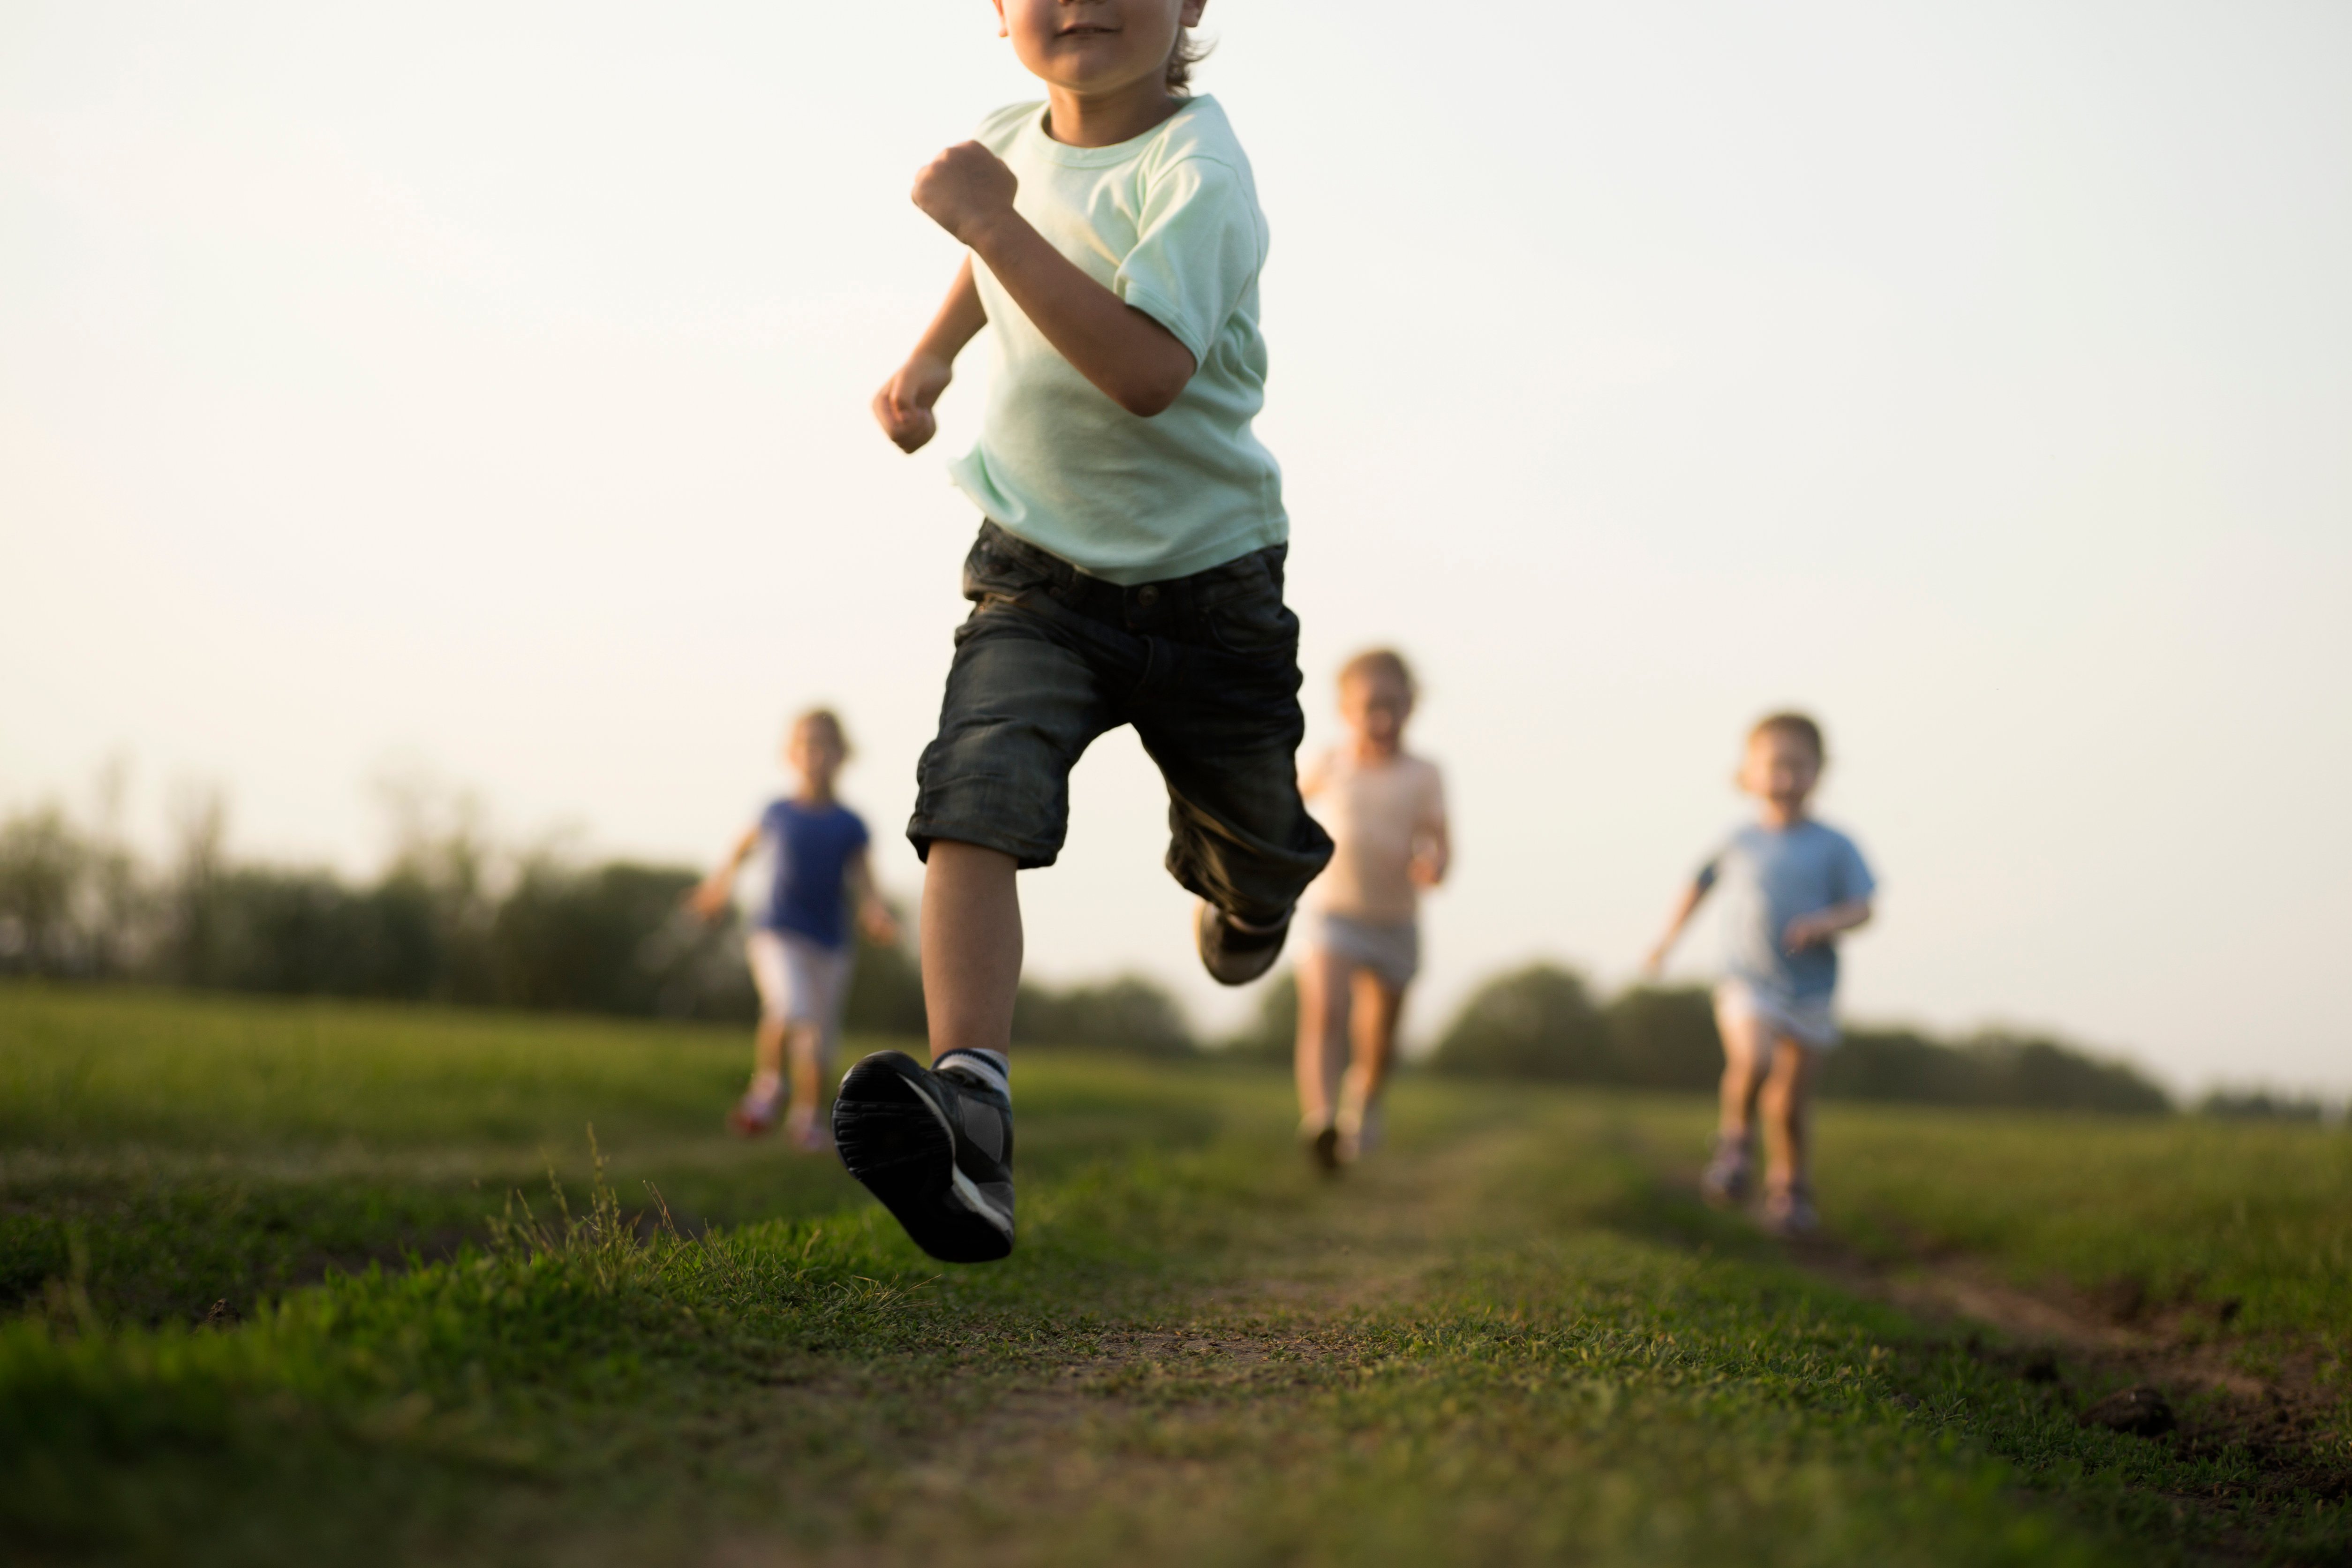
point(811, 849)
point(1769, 877)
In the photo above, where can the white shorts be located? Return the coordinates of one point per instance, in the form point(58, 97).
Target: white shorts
point(801, 982)
point(1389, 949)
point(1808, 1020)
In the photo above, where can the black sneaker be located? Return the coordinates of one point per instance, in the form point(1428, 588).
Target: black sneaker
point(1234, 956)
point(935, 1148)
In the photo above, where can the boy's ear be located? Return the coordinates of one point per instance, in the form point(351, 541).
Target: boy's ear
point(1004, 29)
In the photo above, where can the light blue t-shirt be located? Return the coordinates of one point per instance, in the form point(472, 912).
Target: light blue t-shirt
point(1170, 223)
point(1768, 876)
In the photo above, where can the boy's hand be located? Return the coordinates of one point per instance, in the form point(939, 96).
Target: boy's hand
point(963, 186)
point(903, 406)
point(1808, 930)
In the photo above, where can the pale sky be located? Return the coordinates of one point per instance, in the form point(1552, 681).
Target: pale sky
point(482, 389)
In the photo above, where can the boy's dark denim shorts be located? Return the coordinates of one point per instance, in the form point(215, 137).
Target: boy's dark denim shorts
point(1205, 667)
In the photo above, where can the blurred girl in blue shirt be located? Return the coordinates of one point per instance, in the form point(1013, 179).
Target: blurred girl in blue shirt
point(801, 949)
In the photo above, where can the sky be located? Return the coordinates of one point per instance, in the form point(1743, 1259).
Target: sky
point(478, 394)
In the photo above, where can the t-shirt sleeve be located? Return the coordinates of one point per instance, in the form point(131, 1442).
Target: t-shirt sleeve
point(1197, 248)
point(857, 837)
point(1851, 873)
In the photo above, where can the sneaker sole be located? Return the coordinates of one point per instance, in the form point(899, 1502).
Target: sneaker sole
point(1239, 969)
point(896, 1140)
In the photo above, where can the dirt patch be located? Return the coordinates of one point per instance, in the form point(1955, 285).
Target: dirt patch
point(2165, 1370)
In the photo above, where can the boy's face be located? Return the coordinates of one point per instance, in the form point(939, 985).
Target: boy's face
point(1376, 707)
point(1781, 769)
point(1095, 46)
point(811, 752)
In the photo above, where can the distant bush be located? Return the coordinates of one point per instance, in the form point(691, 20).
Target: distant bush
point(1995, 1069)
point(1129, 1013)
point(1537, 1022)
point(1664, 1038)
point(2262, 1105)
point(1271, 1036)
point(451, 919)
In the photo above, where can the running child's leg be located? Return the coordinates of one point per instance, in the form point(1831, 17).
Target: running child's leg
point(756, 1111)
point(1785, 1106)
point(1323, 1017)
point(1747, 1048)
point(972, 947)
point(1378, 1007)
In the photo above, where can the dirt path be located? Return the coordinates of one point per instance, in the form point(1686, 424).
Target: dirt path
point(1139, 1414)
point(2166, 1371)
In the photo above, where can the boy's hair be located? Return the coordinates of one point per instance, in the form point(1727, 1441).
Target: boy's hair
point(1797, 726)
point(1385, 661)
point(826, 719)
point(1187, 54)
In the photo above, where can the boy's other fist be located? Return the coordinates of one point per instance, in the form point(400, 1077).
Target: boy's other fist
point(1806, 931)
point(903, 406)
point(963, 185)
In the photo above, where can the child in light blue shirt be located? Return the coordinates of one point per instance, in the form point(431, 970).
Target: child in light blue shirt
point(1791, 886)
point(1129, 572)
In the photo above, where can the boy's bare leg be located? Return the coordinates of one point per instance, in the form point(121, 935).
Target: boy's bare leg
point(972, 947)
point(1786, 1105)
point(1745, 1048)
point(1378, 1007)
point(1322, 1033)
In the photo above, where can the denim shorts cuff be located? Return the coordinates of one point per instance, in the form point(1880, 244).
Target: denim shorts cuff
point(1028, 855)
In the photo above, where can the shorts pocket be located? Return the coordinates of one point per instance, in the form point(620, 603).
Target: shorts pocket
point(1258, 626)
point(993, 574)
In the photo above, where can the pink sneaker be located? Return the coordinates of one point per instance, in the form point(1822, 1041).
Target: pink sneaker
point(749, 1119)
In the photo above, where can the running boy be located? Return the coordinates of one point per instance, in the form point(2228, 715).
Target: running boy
point(1361, 944)
point(800, 946)
point(1128, 569)
point(1791, 886)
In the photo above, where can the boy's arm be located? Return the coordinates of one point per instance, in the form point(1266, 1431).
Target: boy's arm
point(1821, 925)
point(875, 915)
point(709, 897)
point(1137, 363)
point(1684, 909)
point(903, 406)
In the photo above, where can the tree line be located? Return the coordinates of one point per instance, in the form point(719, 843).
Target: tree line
point(452, 919)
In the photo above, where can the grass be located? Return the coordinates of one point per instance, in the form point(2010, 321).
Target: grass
point(450, 1336)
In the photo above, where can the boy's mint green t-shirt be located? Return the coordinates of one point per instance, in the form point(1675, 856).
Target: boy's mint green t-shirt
point(1170, 223)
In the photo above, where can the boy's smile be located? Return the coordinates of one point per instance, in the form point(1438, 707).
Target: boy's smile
point(1097, 49)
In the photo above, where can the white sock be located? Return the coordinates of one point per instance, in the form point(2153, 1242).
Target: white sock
point(993, 1068)
point(766, 1088)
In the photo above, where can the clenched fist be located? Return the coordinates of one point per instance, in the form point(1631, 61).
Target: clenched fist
point(903, 406)
point(963, 187)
